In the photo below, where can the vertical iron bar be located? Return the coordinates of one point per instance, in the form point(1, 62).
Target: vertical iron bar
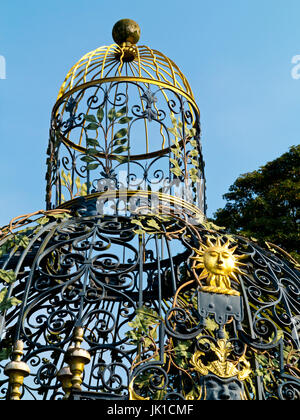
point(258, 380)
point(161, 325)
point(141, 271)
point(174, 283)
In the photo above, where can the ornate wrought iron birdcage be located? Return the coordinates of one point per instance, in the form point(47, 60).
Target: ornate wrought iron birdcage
point(122, 289)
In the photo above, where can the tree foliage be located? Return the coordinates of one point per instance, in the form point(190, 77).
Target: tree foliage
point(265, 204)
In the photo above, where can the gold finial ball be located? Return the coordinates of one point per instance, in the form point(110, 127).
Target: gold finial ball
point(126, 31)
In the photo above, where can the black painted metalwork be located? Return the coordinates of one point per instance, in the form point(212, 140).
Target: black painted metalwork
point(97, 272)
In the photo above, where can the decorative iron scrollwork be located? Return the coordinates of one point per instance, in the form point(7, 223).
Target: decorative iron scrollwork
point(151, 328)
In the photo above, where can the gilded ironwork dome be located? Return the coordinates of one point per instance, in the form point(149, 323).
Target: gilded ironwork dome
point(147, 64)
point(125, 114)
point(122, 289)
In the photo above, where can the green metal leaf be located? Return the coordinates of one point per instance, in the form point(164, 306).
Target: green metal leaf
point(176, 170)
point(91, 152)
point(121, 112)
point(125, 120)
point(92, 126)
point(112, 115)
point(120, 142)
point(100, 115)
point(121, 133)
point(92, 142)
point(152, 223)
point(87, 159)
point(194, 153)
point(90, 118)
point(92, 166)
point(8, 276)
point(120, 150)
point(122, 159)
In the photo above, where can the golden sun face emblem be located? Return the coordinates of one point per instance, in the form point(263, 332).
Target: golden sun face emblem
point(219, 264)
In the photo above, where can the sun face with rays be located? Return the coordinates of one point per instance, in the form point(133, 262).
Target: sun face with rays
point(219, 265)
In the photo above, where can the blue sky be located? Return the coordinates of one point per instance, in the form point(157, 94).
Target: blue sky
point(236, 55)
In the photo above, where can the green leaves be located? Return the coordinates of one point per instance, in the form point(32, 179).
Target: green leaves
point(144, 325)
point(87, 159)
point(92, 126)
point(177, 129)
point(92, 166)
point(120, 150)
point(176, 170)
point(211, 324)
point(193, 172)
point(100, 115)
point(22, 241)
point(90, 118)
point(67, 181)
point(81, 188)
point(183, 155)
point(125, 120)
point(122, 159)
point(194, 153)
point(92, 142)
point(121, 133)
point(153, 224)
point(145, 317)
point(7, 276)
point(121, 112)
point(265, 204)
point(182, 349)
point(43, 220)
point(6, 302)
point(95, 121)
point(119, 143)
point(5, 354)
point(15, 242)
point(147, 225)
point(112, 115)
point(61, 216)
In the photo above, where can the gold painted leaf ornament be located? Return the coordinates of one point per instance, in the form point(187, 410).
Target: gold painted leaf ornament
point(222, 367)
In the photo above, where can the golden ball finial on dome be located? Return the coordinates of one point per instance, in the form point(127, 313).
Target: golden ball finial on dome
point(126, 31)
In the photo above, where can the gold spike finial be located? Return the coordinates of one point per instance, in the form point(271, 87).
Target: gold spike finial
point(16, 370)
point(65, 378)
point(77, 358)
